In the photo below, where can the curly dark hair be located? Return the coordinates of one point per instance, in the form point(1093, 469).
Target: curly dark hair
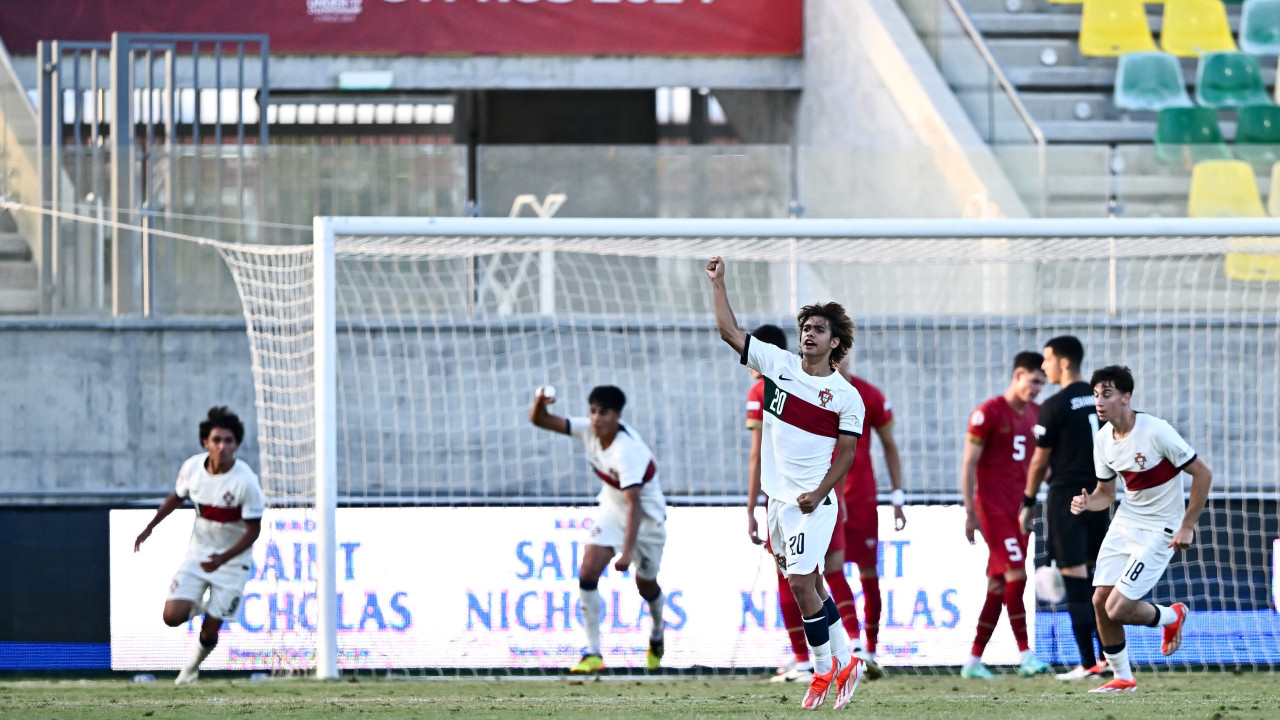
point(608, 397)
point(842, 327)
point(1118, 375)
point(220, 417)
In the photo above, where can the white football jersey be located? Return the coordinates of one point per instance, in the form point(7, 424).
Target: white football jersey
point(223, 502)
point(803, 416)
point(1150, 459)
point(625, 463)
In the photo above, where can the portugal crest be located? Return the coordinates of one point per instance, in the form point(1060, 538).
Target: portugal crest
point(825, 396)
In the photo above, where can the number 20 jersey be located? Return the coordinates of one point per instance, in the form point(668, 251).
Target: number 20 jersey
point(1007, 438)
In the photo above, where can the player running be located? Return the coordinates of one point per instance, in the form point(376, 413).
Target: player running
point(229, 504)
point(1150, 455)
point(1001, 436)
point(811, 413)
point(631, 519)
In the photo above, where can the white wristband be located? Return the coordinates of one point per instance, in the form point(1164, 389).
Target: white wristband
point(898, 497)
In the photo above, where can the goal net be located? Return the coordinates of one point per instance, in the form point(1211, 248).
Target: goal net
point(459, 526)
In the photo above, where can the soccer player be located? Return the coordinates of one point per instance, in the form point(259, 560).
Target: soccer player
point(861, 531)
point(1151, 456)
point(812, 421)
point(631, 520)
point(996, 456)
point(1064, 449)
point(229, 504)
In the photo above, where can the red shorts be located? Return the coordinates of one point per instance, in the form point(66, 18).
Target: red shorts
point(1006, 545)
point(861, 534)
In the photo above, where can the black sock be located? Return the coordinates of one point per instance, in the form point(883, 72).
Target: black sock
point(1083, 622)
point(1155, 621)
point(1113, 649)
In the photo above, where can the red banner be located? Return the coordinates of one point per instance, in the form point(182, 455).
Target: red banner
point(433, 27)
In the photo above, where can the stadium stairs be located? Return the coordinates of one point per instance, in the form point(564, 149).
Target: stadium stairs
point(19, 293)
point(1101, 160)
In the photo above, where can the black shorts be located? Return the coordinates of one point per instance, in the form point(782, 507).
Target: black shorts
point(1072, 539)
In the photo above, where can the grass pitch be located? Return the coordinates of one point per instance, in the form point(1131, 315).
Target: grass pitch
point(1164, 696)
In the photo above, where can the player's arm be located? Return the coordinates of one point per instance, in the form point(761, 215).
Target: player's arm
point(632, 495)
point(252, 529)
point(968, 486)
point(544, 418)
point(894, 462)
point(753, 484)
point(1201, 479)
point(725, 320)
point(171, 503)
point(846, 445)
point(1100, 499)
point(1035, 477)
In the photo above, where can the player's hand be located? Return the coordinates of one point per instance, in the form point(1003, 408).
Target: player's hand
point(624, 562)
point(808, 502)
point(715, 269)
point(538, 397)
point(1182, 539)
point(1025, 517)
point(753, 528)
point(214, 562)
point(1080, 503)
point(970, 527)
point(899, 518)
point(142, 536)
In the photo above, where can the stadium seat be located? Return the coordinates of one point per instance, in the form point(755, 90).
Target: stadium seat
point(1110, 28)
point(1255, 267)
point(1223, 188)
point(1258, 134)
point(1260, 27)
point(1194, 27)
point(1230, 80)
point(1150, 81)
point(1189, 135)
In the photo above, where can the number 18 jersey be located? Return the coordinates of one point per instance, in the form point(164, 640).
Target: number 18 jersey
point(1007, 438)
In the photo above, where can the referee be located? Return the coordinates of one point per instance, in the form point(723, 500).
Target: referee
point(1064, 447)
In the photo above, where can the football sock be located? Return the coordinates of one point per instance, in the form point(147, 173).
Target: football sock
point(655, 611)
point(835, 630)
point(987, 620)
point(1025, 655)
point(1083, 622)
point(973, 661)
point(871, 611)
point(591, 616)
point(1013, 590)
point(842, 594)
point(1164, 616)
point(1118, 657)
point(202, 652)
point(794, 620)
point(818, 632)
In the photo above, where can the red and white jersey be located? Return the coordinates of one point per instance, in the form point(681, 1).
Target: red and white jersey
point(860, 483)
point(1150, 458)
point(1007, 437)
point(755, 406)
point(223, 502)
point(803, 416)
point(625, 463)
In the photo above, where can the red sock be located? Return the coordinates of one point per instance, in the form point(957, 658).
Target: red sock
point(987, 623)
point(1013, 590)
point(792, 616)
point(843, 595)
point(871, 611)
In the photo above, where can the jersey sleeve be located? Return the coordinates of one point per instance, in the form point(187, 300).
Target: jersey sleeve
point(1171, 445)
point(980, 425)
point(879, 411)
point(182, 486)
point(763, 357)
point(1100, 466)
point(579, 427)
point(254, 501)
point(755, 406)
point(634, 466)
point(1046, 426)
point(853, 415)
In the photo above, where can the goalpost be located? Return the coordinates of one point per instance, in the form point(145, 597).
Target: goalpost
point(396, 359)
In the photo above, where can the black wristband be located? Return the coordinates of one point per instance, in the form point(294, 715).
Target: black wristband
point(1028, 502)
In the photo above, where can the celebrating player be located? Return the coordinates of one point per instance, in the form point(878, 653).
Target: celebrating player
point(811, 413)
point(861, 531)
point(631, 520)
point(996, 456)
point(229, 504)
point(1150, 455)
point(1064, 448)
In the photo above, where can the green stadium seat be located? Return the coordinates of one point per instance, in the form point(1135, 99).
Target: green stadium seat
point(1189, 135)
point(1230, 80)
point(1110, 28)
point(1194, 27)
point(1258, 134)
point(1260, 27)
point(1224, 188)
point(1150, 81)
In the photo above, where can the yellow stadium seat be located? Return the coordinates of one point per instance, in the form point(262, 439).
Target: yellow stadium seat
point(1224, 188)
point(1192, 28)
point(1110, 28)
point(1254, 266)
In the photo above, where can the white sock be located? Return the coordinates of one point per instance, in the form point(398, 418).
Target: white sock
point(821, 658)
point(591, 619)
point(1120, 664)
point(202, 652)
point(839, 644)
point(806, 665)
point(973, 661)
point(655, 612)
point(1025, 655)
point(1167, 616)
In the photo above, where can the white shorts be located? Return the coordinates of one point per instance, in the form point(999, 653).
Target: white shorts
point(799, 541)
point(225, 586)
point(1133, 557)
point(609, 530)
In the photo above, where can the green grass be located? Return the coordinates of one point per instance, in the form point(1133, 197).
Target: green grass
point(1164, 696)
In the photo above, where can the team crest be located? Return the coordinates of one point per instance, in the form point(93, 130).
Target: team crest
point(825, 396)
point(228, 498)
point(1141, 460)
